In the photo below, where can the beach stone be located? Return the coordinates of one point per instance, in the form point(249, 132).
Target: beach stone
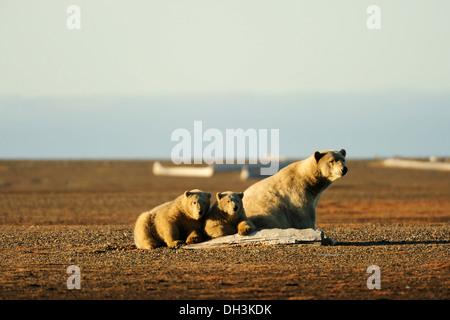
point(264, 236)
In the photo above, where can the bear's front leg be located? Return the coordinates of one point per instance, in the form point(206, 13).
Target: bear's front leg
point(171, 235)
point(221, 231)
point(175, 243)
point(244, 228)
point(194, 237)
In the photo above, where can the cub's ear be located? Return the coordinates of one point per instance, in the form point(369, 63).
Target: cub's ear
point(241, 195)
point(318, 155)
point(343, 152)
point(187, 193)
point(219, 195)
point(209, 195)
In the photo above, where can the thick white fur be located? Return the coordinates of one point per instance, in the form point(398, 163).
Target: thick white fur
point(173, 223)
point(289, 198)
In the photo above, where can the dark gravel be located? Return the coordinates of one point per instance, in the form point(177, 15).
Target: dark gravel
point(54, 214)
point(413, 258)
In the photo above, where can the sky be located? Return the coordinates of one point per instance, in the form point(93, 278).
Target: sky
point(137, 70)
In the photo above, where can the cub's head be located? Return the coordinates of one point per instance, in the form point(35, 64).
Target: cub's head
point(331, 164)
point(197, 203)
point(229, 202)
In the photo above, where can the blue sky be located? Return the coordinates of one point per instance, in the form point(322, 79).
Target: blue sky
point(138, 70)
point(406, 124)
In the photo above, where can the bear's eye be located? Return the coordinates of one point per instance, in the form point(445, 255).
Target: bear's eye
point(195, 202)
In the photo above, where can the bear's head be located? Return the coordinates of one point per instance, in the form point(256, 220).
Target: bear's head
point(331, 164)
point(229, 202)
point(196, 203)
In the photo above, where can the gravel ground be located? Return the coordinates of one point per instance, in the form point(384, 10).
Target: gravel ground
point(413, 260)
point(54, 214)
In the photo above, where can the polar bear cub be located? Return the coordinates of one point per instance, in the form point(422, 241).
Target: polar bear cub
point(173, 223)
point(227, 216)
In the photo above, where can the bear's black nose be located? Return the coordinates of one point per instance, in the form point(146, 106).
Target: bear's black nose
point(344, 171)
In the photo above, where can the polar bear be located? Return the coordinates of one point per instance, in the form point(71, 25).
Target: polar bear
point(227, 216)
point(173, 223)
point(289, 198)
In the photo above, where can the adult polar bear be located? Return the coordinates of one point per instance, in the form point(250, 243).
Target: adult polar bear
point(289, 198)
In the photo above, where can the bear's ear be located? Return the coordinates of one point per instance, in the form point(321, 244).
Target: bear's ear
point(209, 195)
point(318, 155)
point(187, 193)
point(343, 152)
point(241, 195)
point(219, 195)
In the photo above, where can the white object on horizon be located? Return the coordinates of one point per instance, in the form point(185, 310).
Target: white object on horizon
point(414, 164)
point(245, 174)
point(269, 158)
point(160, 170)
